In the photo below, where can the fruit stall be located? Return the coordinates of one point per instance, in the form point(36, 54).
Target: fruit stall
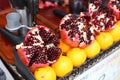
point(83, 46)
point(105, 66)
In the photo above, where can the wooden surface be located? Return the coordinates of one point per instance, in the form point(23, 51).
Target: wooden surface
point(47, 16)
point(44, 17)
point(6, 51)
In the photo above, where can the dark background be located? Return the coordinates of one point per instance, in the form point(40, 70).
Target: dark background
point(4, 4)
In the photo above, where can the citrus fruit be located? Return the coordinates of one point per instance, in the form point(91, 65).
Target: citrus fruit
point(63, 66)
point(64, 46)
point(92, 50)
point(105, 40)
point(118, 22)
point(77, 55)
point(116, 32)
point(45, 73)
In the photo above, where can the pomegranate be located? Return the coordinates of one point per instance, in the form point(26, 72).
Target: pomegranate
point(80, 31)
point(76, 31)
point(115, 6)
point(94, 5)
point(102, 17)
point(40, 47)
point(103, 20)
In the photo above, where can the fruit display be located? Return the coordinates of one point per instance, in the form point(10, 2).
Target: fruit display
point(83, 38)
point(77, 56)
point(92, 50)
point(45, 73)
point(64, 47)
point(105, 40)
point(115, 6)
point(76, 32)
point(63, 66)
point(116, 32)
point(40, 48)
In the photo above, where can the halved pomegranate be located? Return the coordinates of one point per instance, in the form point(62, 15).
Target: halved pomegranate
point(40, 47)
point(103, 20)
point(115, 6)
point(94, 5)
point(76, 31)
point(102, 17)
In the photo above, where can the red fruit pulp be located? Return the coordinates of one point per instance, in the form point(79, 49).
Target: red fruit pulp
point(115, 6)
point(76, 32)
point(40, 47)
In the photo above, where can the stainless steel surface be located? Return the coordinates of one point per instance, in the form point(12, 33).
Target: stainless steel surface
point(27, 10)
point(7, 73)
point(23, 14)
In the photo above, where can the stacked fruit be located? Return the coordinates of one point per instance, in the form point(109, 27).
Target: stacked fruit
point(81, 37)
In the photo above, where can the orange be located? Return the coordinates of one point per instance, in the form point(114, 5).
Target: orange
point(63, 66)
point(64, 47)
point(105, 40)
point(45, 73)
point(77, 55)
point(118, 22)
point(116, 32)
point(92, 50)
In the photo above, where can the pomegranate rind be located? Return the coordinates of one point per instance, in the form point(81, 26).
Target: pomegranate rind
point(116, 11)
point(22, 55)
point(103, 21)
point(65, 38)
point(37, 46)
point(35, 28)
point(102, 17)
point(81, 24)
point(29, 32)
point(64, 34)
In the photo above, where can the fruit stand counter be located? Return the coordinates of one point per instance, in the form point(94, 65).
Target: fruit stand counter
point(104, 66)
point(44, 17)
point(5, 46)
